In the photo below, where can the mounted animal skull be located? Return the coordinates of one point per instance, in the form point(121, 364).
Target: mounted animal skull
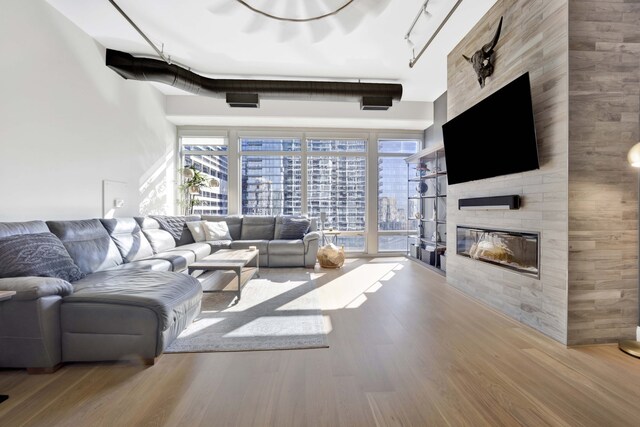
point(481, 60)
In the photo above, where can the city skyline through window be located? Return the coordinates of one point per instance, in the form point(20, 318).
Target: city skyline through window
point(209, 156)
point(393, 211)
point(311, 176)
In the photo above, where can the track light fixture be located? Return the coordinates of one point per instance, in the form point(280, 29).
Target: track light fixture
point(423, 10)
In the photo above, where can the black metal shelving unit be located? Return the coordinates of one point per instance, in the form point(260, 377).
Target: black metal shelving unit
point(427, 205)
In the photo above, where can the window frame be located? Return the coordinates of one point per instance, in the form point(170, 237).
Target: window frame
point(182, 153)
point(371, 136)
point(406, 232)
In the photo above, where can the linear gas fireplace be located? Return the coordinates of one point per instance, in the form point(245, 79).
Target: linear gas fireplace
point(510, 249)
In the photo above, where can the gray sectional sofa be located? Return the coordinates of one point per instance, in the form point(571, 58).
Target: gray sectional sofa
point(135, 297)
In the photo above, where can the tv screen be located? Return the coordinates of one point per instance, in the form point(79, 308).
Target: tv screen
point(497, 136)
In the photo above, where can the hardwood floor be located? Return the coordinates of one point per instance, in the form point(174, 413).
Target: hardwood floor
point(405, 350)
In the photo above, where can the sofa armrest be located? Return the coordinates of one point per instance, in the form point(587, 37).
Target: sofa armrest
point(311, 242)
point(32, 288)
point(309, 237)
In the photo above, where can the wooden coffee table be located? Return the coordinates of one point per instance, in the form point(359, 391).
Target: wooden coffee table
point(226, 268)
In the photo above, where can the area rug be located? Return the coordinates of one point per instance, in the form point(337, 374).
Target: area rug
point(278, 311)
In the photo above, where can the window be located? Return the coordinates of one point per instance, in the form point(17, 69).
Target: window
point(271, 183)
point(294, 172)
point(209, 156)
point(395, 216)
point(336, 185)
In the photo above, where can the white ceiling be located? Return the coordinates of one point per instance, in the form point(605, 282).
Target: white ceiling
point(223, 38)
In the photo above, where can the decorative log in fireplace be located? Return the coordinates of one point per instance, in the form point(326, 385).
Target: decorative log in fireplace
point(510, 249)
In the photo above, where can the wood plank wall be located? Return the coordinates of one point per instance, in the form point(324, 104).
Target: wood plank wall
point(534, 39)
point(604, 90)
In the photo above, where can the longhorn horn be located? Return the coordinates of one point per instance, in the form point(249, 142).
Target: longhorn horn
point(488, 48)
point(467, 58)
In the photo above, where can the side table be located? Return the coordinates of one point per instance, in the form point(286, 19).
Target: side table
point(330, 236)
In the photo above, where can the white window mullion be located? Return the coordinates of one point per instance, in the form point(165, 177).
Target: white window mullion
point(303, 185)
point(372, 194)
point(234, 174)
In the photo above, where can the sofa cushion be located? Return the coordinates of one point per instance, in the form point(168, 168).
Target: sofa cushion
point(146, 264)
point(32, 288)
point(177, 227)
point(197, 230)
point(218, 230)
point(167, 294)
point(258, 228)
point(286, 247)
point(200, 249)
point(88, 243)
point(234, 222)
point(291, 228)
point(218, 244)
point(262, 245)
point(129, 239)
point(159, 239)
point(39, 255)
point(179, 259)
point(28, 227)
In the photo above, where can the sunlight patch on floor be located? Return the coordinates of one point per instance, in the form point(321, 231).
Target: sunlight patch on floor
point(345, 289)
point(389, 259)
point(388, 276)
point(266, 326)
point(200, 325)
point(328, 326)
point(374, 288)
point(360, 299)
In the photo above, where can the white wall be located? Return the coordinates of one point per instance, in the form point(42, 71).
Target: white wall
point(67, 122)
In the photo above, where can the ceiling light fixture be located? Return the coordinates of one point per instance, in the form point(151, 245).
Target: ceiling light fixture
point(283, 18)
point(422, 10)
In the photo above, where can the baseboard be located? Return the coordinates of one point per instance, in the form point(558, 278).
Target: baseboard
point(638, 333)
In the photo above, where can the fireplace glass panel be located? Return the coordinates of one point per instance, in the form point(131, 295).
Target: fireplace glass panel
point(513, 250)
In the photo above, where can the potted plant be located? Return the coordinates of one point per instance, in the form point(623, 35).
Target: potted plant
point(193, 181)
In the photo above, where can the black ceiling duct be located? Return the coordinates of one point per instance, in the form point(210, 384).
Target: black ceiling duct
point(147, 69)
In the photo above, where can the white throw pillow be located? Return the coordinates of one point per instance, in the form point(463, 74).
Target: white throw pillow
point(216, 230)
point(197, 230)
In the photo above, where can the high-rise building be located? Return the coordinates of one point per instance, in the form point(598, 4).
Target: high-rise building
point(213, 201)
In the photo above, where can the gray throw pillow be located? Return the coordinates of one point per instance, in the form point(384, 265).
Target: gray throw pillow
point(41, 255)
point(293, 228)
point(173, 224)
point(177, 227)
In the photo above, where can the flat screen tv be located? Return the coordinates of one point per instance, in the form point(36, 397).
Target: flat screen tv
point(497, 136)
